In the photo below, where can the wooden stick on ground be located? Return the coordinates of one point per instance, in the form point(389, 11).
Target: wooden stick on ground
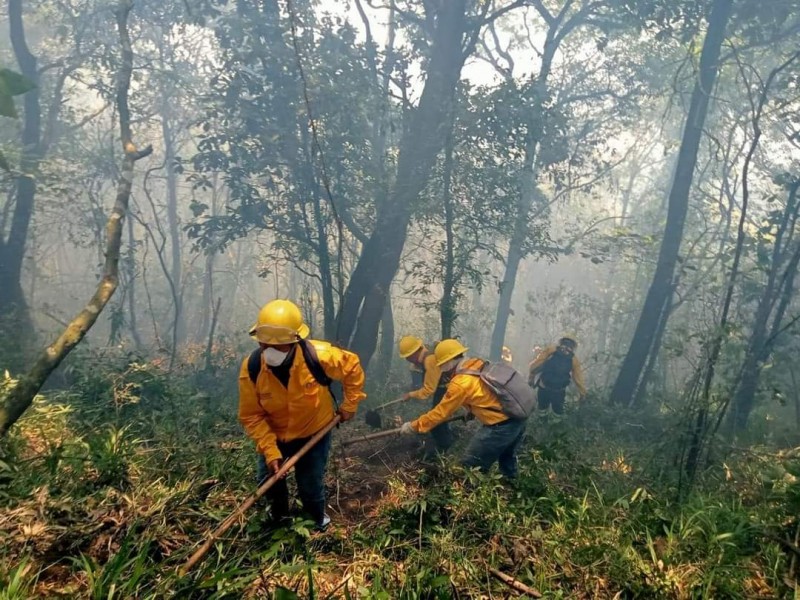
point(387, 433)
point(263, 488)
point(515, 584)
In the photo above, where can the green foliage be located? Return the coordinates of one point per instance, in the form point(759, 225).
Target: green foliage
point(11, 84)
point(17, 583)
point(124, 493)
point(109, 452)
point(121, 576)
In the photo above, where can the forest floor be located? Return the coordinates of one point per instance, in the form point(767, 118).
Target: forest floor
point(106, 488)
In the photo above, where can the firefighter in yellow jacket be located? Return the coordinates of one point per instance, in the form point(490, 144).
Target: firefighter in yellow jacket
point(433, 385)
point(499, 438)
point(282, 402)
point(551, 372)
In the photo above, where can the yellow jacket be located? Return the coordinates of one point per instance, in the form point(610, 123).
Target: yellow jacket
point(577, 370)
point(269, 412)
point(467, 391)
point(431, 382)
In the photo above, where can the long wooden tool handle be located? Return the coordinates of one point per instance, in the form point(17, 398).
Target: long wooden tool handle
point(388, 432)
point(397, 401)
point(263, 488)
point(371, 436)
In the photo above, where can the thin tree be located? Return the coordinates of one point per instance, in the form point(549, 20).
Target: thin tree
point(661, 288)
point(21, 395)
point(13, 308)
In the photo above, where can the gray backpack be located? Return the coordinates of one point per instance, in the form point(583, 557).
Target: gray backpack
point(516, 397)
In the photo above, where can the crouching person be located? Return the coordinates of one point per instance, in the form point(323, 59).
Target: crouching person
point(501, 435)
point(285, 398)
point(433, 385)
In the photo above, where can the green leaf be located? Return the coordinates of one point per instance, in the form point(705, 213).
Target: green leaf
point(283, 593)
point(793, 468)
point(7, 108)
point(15, 84)
point(11, 84)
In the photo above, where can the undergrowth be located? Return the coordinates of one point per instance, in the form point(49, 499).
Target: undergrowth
point(108, 486)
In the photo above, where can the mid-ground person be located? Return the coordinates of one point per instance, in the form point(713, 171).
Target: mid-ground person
point(433, 385)
point(499, 438)
point(551, 372)
point(284, 399)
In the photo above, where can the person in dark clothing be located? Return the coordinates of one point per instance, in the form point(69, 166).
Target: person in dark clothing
point(551, 372)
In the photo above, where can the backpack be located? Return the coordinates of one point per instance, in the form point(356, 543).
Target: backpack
point(517, 399)
point(556, 371)
point(312, 362)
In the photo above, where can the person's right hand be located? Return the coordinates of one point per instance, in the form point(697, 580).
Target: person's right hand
point(275, 465)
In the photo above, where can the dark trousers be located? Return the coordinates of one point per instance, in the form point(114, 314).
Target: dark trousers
point(547, 397)
point(441, 435)
point(496, 443)
point(309, 472)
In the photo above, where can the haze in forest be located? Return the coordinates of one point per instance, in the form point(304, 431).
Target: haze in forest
point(502, 172)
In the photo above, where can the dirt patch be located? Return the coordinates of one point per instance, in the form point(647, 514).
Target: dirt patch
point(358, 476)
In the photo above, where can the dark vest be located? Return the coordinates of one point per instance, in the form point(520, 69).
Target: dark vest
point(556, 371)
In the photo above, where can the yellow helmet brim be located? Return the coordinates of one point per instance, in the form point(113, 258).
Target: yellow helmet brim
point(278, 335)
point(408, 353)
point(451, 356)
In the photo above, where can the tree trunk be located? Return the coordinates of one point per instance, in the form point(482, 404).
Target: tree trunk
point(15, 321)
point(326, 278)
point(176, 267)
point(652, 356)
point(761, 344)
point(661, 287)
point(386, 350)
point(447, 305)
point(527, 194)
point(20, 397)
point(380, 257)
point(130, 275)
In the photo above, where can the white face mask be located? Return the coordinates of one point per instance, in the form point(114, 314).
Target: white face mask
point(274, 357)
point(449, 365)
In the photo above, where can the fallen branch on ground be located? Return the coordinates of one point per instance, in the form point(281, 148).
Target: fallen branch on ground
point(515, 584)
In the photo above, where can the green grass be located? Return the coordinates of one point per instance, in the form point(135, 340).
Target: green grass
point(106, 488)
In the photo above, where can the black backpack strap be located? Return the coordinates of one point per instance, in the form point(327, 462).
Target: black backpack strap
point(254, 364)
point(313, 364)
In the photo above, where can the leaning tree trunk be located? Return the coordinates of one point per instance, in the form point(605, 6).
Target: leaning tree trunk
point(661, 287)
point(20, 397)
point(15, 321)
point(362, 309)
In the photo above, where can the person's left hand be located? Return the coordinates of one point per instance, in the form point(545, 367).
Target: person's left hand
point(346, 415)
point(407, 429)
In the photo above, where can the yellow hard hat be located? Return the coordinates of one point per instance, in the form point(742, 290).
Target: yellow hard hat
point(279, 322)
point(409, 344)
point(448, 349)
